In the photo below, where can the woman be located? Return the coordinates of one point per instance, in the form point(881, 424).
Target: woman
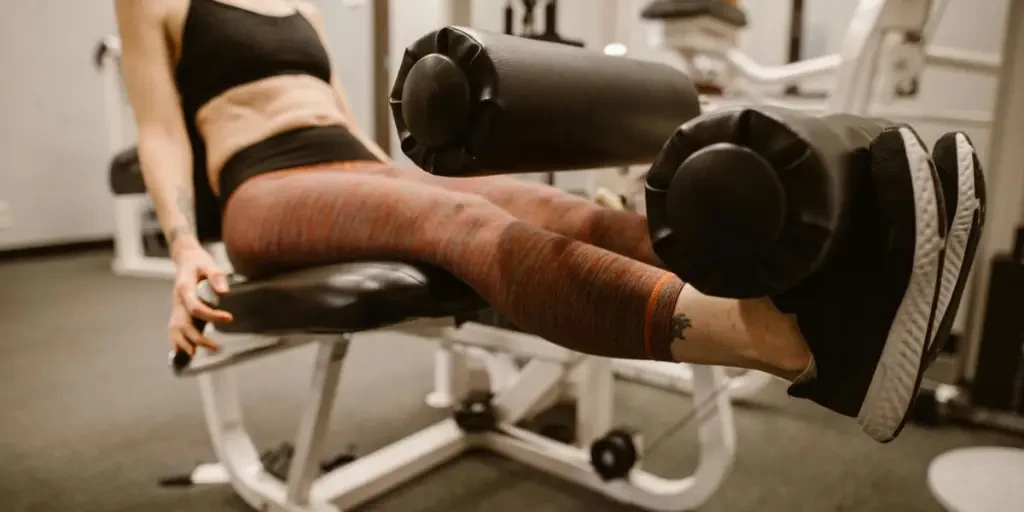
point(247, 86)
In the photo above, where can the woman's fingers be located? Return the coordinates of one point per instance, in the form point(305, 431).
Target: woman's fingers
point(198, 309)
point(196, 338)
point(179, 342)
point(219, 282)
point(185, 291)
point(216, 277)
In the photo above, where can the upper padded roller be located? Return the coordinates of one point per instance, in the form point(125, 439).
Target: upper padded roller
point(747, 202)
point(467, 102)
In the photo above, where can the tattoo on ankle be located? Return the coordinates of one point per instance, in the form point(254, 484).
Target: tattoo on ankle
point(679, 324)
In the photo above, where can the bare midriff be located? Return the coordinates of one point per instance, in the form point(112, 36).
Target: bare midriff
point(252, 112)
point(256, 111)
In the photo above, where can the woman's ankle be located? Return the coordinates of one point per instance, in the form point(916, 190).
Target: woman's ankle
point(775, 338)
point(749, 334)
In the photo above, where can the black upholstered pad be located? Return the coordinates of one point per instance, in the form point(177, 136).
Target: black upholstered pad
point(344, 298)
point(126, 173)
point(683, 9)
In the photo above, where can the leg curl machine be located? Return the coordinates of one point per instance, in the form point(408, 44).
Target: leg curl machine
point(473, 103)
point(526, 106)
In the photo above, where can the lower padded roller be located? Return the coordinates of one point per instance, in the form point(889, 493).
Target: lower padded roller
point(746, 202)
point(468, 102)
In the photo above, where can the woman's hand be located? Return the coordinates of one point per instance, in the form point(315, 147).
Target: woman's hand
point(194, 265)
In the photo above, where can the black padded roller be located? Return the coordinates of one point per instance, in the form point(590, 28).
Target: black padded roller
point(467, 102)
point(746, 202)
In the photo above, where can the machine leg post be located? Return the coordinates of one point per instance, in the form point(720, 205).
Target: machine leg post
point(305, 466)
point(596, 400)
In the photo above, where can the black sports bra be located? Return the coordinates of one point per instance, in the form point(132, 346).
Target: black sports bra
point(222, 47)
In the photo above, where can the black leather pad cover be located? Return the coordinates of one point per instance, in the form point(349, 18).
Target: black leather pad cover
point(684, 9)
point(345, 298)
point(814, 165)
point(532, 106)
point(126, 173)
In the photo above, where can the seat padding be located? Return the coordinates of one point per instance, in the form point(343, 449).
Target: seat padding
point(345, 298)
point(126, 173)
point(689, 9)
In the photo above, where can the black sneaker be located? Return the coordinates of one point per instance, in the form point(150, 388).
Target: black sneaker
point(867, 314)
point(963, 191)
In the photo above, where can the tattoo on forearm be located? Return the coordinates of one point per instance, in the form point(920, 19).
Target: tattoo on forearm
point(186, 204)
point(177, 232)
point(679, 324)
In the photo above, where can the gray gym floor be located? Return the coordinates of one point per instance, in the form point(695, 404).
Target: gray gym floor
point(92, 419)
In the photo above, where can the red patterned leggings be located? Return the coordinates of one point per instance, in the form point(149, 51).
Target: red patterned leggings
point(557, 265)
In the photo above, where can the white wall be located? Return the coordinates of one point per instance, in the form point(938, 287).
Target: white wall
point(52, 141)
point(350, 38)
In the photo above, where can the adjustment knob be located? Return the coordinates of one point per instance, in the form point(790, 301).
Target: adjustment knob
point(614, 455)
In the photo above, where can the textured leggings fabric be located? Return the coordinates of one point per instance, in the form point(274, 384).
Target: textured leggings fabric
point(558, 266)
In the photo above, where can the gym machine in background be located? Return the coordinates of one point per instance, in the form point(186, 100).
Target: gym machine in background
point(528, 29)
point(528, 25)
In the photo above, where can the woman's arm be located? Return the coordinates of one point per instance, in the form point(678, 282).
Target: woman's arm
point(164, 150)
point(313, 15)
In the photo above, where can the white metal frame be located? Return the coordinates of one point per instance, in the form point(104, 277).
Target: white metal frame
point(873, 59)
point(130, 210)
point(550, 374)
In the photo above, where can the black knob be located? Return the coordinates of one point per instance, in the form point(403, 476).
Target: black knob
point(614, 455)
point(436, 101)
point(725, 209)
point(180, 360)
point(476, 414)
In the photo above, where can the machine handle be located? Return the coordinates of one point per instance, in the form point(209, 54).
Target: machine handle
point(110, 45)
point(179, 358)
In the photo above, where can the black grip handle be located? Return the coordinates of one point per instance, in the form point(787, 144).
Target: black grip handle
point(180, 358)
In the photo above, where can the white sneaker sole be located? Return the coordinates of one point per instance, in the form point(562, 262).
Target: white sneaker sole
point(960, 231)
point(897, 375)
